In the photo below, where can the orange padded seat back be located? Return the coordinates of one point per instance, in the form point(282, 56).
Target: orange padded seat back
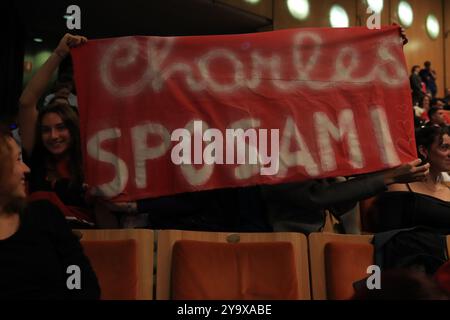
point(346, 263)
point(368, 215)
point(114, 262)
point(241, 271)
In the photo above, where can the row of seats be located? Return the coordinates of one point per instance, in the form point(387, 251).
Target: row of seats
point(194, 265)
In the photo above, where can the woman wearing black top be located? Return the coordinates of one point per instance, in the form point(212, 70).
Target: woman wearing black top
point(425, 203)
point(36, 245)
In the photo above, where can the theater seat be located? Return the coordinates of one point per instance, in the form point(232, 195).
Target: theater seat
point(336, 262)
point(209, 265)
point(123, 262)
point(243, 271)
point(368, 215)
point(115, 264)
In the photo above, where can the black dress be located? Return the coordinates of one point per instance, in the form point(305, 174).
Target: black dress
point(405, 209)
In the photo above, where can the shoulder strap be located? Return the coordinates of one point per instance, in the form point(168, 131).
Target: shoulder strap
point(409, 187)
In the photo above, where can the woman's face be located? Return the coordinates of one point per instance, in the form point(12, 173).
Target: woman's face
point(426, 103)
point(439, 154)
point(55, 135)
point(13, 184)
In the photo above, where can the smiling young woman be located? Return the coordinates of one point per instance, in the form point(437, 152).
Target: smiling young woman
point(51, 142)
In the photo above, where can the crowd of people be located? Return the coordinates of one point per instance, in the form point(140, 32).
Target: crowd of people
point(412, 194)
point(429, 109)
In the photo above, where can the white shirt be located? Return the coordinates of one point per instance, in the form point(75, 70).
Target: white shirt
point(72, 99)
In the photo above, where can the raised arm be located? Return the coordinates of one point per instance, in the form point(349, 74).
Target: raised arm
point(316, 194)
point(36, 88)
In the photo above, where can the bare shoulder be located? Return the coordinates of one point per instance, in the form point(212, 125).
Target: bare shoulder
point(397, 187)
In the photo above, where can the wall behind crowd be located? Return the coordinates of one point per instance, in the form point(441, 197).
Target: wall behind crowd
point(421, 46)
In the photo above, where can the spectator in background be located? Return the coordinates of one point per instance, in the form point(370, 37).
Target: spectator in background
point(436, 116)
point(422, 112)
point(446, 99)
point(428, 76)
point(62, 93)
point(416, 86)
point(437, 103)
point(447, 95)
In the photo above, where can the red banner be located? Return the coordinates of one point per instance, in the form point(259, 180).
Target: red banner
point(161, 116)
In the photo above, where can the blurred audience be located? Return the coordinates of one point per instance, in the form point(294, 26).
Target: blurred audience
point(436, 116)
point(428, 76)
point(416, 86)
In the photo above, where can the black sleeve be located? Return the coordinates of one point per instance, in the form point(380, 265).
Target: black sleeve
point(185, 203)
point(416, 84)
point(346, 194)
point(318, 194)
point(70, 251)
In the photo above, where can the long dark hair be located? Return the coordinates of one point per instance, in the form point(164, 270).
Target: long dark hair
point(427, 135)
point(5, 153)
point(71, 121)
